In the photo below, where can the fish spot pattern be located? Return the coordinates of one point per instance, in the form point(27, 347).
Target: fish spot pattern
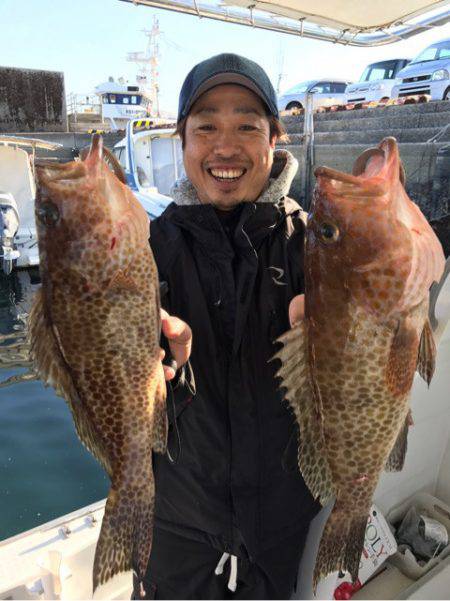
point(102, 303)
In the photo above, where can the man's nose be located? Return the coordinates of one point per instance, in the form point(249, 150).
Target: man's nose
point(226, 145)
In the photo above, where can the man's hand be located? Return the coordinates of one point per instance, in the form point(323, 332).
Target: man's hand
point(179, 336)
point(297, 309)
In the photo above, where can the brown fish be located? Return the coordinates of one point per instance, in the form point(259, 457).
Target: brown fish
point(348, 368)
point(94, 328)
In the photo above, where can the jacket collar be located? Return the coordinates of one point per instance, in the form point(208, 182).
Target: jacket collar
point(283, 172)
point(258, 219)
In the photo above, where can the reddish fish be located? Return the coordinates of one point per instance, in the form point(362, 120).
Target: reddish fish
point(371, 258)
point(95, 329)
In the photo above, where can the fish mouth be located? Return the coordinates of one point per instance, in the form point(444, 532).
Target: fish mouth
point(227, 174)
point(380, 163)
point(48, 172)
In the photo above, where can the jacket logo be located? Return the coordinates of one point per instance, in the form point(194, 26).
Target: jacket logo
point(278, 275)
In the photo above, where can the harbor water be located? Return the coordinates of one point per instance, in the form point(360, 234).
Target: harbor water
point(45, 472)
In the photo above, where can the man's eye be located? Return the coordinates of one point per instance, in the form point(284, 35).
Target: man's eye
point(206, 127)
point(247, 127)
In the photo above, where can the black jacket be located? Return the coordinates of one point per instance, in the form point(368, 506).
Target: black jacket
point(236, 480)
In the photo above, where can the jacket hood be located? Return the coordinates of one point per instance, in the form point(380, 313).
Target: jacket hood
point(284, 168)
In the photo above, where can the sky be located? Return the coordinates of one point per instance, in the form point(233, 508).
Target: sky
point(89, 40)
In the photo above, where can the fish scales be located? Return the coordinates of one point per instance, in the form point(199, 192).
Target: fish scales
point(95, 328)
point(370, 260)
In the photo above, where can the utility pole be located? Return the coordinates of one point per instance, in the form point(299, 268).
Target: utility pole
point(280, 67)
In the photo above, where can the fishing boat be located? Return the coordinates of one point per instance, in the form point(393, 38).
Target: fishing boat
point(18, 240)
point(151, 157)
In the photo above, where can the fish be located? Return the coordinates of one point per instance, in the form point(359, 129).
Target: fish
point(348, 366)
point(94, 336)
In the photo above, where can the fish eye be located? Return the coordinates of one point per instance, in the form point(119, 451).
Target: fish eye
point(328, 232)
point(48, 213)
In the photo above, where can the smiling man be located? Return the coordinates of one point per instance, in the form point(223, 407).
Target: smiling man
point(232, 511)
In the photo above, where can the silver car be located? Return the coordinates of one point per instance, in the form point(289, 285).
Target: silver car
point(428, 73)
point(376, 82)
point(327, 92)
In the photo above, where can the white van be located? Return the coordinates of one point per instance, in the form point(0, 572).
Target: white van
point(376, 82)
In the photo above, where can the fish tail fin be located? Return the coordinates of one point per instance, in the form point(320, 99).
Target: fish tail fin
point(126, 534)
point(160, 424)
point(341, 545)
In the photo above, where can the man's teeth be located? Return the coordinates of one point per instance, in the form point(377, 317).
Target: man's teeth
point(228, 174)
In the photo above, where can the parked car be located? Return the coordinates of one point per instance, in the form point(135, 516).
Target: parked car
point(327, 92)
point(376, 82)
point(428, 73)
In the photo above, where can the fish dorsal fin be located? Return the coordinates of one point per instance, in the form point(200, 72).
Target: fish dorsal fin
point(51, 367)
point(295, 376)
point(426, 360)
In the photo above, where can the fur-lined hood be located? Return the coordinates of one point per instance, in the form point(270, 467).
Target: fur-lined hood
point(283, 172)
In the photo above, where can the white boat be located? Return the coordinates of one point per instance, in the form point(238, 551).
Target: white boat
point(18, 241)
point(151, 157)
point(54, 561)
point(121, 102)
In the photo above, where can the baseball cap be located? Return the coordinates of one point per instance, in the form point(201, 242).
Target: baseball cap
point(222, 69)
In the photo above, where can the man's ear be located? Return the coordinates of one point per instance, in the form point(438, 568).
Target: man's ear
point(273, 141)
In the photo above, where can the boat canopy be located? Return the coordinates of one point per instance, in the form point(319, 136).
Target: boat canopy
point(349, 22)
point(30, 142)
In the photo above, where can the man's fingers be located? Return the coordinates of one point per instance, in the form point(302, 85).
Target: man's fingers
point(169, 373)
point(175, 329)
point(179, 336)
point(297, 309)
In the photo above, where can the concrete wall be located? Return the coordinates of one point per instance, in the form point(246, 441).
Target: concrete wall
point(423, 133)
point(32, 101)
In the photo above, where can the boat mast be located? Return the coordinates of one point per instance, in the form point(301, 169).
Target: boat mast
point(148, 62)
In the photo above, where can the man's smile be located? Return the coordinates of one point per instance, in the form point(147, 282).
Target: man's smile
point(226, 175)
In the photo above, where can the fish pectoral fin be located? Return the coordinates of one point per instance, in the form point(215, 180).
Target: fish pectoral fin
point(121, 281)
point(126, 534)
point(426, 360)
point(402, 361)
point(295, 377)
point(160, 423)
point(396, 459)
point(52, 369)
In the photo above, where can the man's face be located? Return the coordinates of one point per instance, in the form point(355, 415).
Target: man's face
point(228, 153)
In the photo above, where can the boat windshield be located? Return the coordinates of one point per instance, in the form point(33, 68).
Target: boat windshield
point(433, 53)
point(167, 159)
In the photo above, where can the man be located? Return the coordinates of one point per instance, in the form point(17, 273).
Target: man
point(232, 511)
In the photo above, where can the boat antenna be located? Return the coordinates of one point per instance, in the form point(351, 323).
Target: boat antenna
point(148, 63)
